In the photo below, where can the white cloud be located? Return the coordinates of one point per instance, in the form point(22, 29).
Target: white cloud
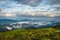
point(39, 13)
point(12, 9)
point(8, 15)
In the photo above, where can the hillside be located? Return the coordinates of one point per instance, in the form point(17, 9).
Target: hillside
point(32, 34)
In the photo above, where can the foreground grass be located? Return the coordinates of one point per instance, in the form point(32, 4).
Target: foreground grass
point(32, 34)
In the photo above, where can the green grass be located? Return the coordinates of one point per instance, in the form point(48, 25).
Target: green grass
point(32, 34)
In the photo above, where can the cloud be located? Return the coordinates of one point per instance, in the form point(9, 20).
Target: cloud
point(3, 0)
point(29, 2)
point(11, 5)
point(54, 2)
point(15, 15)
point(17, 8)
point(38, 13)
point(56, 7)
point(38, 2)
point(50, 14)
point(7, 15)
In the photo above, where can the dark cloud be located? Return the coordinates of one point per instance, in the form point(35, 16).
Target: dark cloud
point(37, 2)
point(54, 2)
point(0, 9)
point(3, 0)
point(29, 2)
point(57, 8)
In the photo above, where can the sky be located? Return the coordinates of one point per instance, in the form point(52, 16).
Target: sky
point(13, 9)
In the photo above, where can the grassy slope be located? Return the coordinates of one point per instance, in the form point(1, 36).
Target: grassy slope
point(32, 34)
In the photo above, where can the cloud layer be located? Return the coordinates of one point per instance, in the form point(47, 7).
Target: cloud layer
point(16, 8)
point(36, 2)
point(29, 2)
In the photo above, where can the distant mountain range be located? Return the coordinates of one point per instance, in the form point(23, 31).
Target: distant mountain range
point(6, 21)
point(7, 24)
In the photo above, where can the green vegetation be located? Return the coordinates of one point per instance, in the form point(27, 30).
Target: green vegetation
point(32, 34)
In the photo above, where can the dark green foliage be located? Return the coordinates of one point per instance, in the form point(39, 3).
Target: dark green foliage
point(32, 34)
point(57, 27)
